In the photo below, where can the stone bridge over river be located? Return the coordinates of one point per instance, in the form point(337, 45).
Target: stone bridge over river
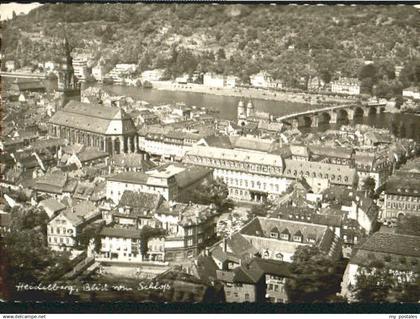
point(330, 114)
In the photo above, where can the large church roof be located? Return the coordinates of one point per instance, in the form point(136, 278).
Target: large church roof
point(94, 118)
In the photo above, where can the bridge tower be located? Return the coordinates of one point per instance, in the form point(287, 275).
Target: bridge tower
point(241, 113)
point(250, 109)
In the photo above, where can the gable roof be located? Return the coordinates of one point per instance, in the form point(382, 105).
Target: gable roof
point(397, 244)
point(140, 201)
point(218, 141)
point(261, 226)
point(118, 232)
point(132, 160)
point(52, 204)
point(94, 118)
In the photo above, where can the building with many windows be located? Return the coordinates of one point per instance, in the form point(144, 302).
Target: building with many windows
point(249, 176)
point(190, 228)
point(108, 128)
point(349, 86)
point(278, 239)
point(402, 196)
point(64, 229)
point(173, 181)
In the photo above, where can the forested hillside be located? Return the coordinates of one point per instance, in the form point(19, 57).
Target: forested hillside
point(290, 42)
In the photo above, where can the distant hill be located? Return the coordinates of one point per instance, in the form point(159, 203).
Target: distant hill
point(290, 42)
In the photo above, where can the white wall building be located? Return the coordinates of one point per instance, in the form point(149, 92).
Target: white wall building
point(264, 80)
point(219, 80)
point(248, 175)
point(349, 86)
point(152, 75)
point(411, 92)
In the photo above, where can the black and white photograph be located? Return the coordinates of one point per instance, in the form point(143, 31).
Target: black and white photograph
point(251, 154)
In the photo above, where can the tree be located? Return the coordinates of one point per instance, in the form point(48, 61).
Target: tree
point(215, 193)
point(91, 232)
point(315, 276)
point(372, 285)
point(369, 185)
point(376, 283)
point(259, 210)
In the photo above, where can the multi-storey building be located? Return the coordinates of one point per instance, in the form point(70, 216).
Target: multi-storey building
point(80, 62)
point(121, 72)
point(248, 175)
point(168, 144)
point(332, 155)
point(219, 80)
point(397, 253)
point(349, 86)
point(278, 239)
point(402, 196)
point(170, 181)
point(120, 244)
point(320, 174)
point(412, 92)
point(190, 228)
point(376, 166)
point(264, 80)
point(63, 229)
point(108, 128)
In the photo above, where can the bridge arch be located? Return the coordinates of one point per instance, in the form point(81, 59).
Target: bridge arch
point(371, 110)
point(342, 115)
point(306, 120)
point(324, 118)
point(359, 111)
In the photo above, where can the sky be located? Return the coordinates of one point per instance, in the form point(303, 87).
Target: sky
point(6, 10)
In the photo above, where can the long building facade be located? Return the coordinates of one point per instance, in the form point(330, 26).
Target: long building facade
point(257, 176)
point(109, 129)
point(249, 176)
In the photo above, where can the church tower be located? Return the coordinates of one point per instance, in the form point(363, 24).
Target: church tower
point(68, 85)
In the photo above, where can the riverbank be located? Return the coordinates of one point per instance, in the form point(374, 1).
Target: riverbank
point(252, 93)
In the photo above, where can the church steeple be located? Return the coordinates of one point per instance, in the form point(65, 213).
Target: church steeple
point(68, 84)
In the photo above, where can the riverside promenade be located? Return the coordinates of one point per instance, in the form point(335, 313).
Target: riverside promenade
point(253, 93)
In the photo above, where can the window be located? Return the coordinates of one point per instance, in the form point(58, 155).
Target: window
point(284, 236)
point(279, 256)
point(247, 297)
point(274, 235)
point(297, 238)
